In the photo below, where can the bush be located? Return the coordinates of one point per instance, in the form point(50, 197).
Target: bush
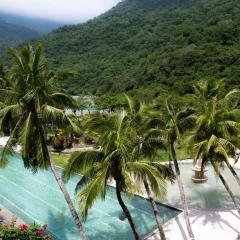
point(24, 232)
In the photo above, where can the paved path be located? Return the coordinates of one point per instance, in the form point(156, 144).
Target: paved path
point(6, 217)
point(207, 225)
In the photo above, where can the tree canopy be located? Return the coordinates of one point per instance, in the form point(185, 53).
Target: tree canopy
point(149, 45)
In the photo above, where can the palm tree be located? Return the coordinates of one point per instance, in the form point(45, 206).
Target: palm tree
point(34, 99)
point(223, 108)
point(148, 145)
point(173, 124)
point(99, 166)
point(162, 172)
point(115, 160)
point(177, 124)
point(214, 138)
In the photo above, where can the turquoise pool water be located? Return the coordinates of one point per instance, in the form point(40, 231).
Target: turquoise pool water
point(36, 198)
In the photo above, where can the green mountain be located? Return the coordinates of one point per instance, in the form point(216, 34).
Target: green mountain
point(42, 26)
point(12, 35)
point(149, 44)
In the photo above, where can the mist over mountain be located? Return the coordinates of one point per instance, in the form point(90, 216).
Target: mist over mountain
point(15, 30)
point(11, 35)
point(42, 26)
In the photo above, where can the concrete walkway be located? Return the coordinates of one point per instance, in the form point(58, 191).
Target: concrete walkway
point(7, 217)
point(206, 225)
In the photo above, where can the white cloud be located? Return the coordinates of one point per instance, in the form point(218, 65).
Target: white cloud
point(60, 10)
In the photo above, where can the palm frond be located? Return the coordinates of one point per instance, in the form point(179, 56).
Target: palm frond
point(25, 135)
point(12, 141)
point(13, 53)
point(81, 162)
point(62, 99)
point(142, 169)
point(6, 112)
point(96, 188)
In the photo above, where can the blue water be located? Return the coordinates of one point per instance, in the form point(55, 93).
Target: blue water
point(36, 198)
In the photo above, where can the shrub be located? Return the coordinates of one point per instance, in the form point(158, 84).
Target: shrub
point(24, 232)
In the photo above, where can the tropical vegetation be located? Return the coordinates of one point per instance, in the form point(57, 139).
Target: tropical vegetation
point(25, 232)
point(30, 100)
point(130, 137)
point(216, 134)
point(144, 46)
point(116, 160)
point(210, 132)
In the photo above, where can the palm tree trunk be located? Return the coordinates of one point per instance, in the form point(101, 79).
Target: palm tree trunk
point(226, 187)
point(182, 193)
point(155, 211)
point(127, 213)
point(68, 200)
point(233, 172)
point(61, 183)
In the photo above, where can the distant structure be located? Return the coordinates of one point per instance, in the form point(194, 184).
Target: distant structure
point(87, 107)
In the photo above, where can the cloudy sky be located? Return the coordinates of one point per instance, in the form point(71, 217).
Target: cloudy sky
point(60, 10)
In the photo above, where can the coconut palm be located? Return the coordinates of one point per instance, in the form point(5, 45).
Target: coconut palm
point(173, 123)
point(148, 145)
point(162, 172)
point(223, 108)
point(177, 124)
point(114, 161)
point(215, 139)
point(206, 90)
point(34, 99)
point(106, 164)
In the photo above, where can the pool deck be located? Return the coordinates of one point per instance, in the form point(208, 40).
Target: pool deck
point(7, 217)
point(206, 225)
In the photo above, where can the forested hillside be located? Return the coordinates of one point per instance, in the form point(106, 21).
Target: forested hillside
point(12, 35)
point(150, 45)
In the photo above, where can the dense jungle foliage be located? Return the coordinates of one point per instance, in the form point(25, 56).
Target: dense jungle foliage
point(149, 45)
point(145, 46)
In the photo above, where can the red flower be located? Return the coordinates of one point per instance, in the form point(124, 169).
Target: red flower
point(23, 226)
point(40, 232)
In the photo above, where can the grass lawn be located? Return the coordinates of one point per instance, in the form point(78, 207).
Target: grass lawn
point(164, 157)
point(60, 159)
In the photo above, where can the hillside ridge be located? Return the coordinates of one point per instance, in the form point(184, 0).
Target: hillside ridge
point(11, 35)
point(150, 45)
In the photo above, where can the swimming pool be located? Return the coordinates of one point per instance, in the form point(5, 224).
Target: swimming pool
point(36, 198)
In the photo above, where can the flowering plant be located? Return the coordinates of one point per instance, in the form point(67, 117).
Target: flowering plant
point(25, 232)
